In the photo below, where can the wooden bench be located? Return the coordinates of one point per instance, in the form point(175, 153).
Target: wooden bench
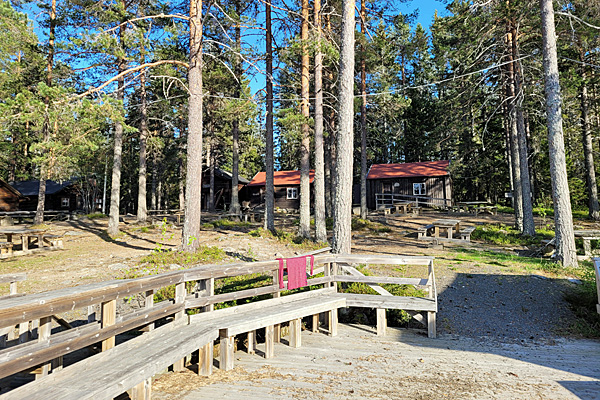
point(465, 233)
point(424, 231)
point(248, 318)
point(108, 374)
point(416, 211)
point(53, 240)
point(486, 209)
point(6, 248)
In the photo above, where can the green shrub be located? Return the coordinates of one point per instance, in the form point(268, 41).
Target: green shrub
point(582, 300)
point(505, 235)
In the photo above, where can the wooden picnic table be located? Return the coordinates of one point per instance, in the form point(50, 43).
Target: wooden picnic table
point(450, 225)
point(26, 235)
point(475, 207)
point(405, 205)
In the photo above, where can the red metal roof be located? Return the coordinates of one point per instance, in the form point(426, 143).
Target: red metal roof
point(280, 178)
point(407, 170)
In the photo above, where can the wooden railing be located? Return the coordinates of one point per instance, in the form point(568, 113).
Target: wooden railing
point(383, 200)
point(597, 271)
point(48, 345)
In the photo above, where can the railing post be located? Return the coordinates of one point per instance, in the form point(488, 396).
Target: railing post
point(44, 332)
point(180, 293)
point(277, 327)
point(109, 316)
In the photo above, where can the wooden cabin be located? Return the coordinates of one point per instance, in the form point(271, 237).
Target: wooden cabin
point(9, 197)
point(222, 190)
point(60, 196)
point(429, 180)
point(287, 189)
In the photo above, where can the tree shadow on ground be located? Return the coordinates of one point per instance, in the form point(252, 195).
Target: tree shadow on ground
point(99, 231)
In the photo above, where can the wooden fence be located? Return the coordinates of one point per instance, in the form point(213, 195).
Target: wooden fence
point(41, 337)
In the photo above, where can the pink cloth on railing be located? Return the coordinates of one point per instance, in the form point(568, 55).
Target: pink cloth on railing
point(296, 269)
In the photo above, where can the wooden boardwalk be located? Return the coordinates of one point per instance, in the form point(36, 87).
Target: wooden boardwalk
point(404, 364)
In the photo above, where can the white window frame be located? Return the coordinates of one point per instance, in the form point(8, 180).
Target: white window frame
point(65, 202)
point(419, 189)
point(292, 193)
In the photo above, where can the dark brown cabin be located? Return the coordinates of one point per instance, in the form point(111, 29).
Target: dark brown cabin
point(9, 197)
point(60, 196)
point(287, 189)
point(222, 190)
point(428, 180)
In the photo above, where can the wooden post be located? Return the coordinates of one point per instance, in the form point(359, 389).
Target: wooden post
point(295, 330)
point(149, 304)
point(23, 332)
point(226, 348)
point(431, 324)
point(206, 359)
point(251, 342)
point(109, 316)
point(269, 341)
point(315, 323)
point(180, 293)
point(381, 321)
point(277, 327)
point(44, 332)
point(142, 391)
point(587, 246)
point(333, 322)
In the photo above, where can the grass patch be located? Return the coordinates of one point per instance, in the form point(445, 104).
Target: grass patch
point(226, 223)
point(545, 212)
point(507, 260)
point(204, 254)
point(505, 235)
point(582, 300)
point(97, 215)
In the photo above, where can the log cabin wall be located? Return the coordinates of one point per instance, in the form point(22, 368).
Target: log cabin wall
point(437, 187)
point(9, 201)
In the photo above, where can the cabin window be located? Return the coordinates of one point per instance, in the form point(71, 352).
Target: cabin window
point(64, 202)
point(292, 193)
point(418, 189)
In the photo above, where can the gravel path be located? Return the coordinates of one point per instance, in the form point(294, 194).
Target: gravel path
point(507, 308)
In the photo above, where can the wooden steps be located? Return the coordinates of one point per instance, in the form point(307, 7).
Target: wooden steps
point(110, 373)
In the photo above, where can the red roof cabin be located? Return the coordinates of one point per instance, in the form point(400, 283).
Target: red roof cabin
point(429, 180)
point(287, 189)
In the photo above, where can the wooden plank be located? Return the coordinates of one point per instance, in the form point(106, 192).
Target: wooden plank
point(287, 312)
point(30, 354)
point(295, 332)
point(9, 278)
point(431, 331)
point(106, 375)
point(333, 322)
point(381, 279)
point(258, 305)
point(367, 259)
point(393, 302)
point(315, 323)
point(251, 342)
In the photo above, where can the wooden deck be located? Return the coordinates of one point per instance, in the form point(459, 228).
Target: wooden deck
point(405, 364)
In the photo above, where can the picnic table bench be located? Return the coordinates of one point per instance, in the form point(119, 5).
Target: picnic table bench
point(451, 226)
point(587, 235)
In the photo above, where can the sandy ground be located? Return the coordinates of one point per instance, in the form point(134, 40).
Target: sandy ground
point(499, 359)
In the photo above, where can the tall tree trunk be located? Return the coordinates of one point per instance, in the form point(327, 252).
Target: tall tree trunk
point(270, 189)
point(181, 183)
point(342, 210)
point(115, 192)
point(363, 116)
point(237, 93)
point(191, 226)
point(142, 211)
point(319, 183)
point(154, 182)
point(210, 160)
point(563, 218)
point(528, 223)
point(304, 230)
point(588, 150)
point(39, 212)
point(514, 136)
